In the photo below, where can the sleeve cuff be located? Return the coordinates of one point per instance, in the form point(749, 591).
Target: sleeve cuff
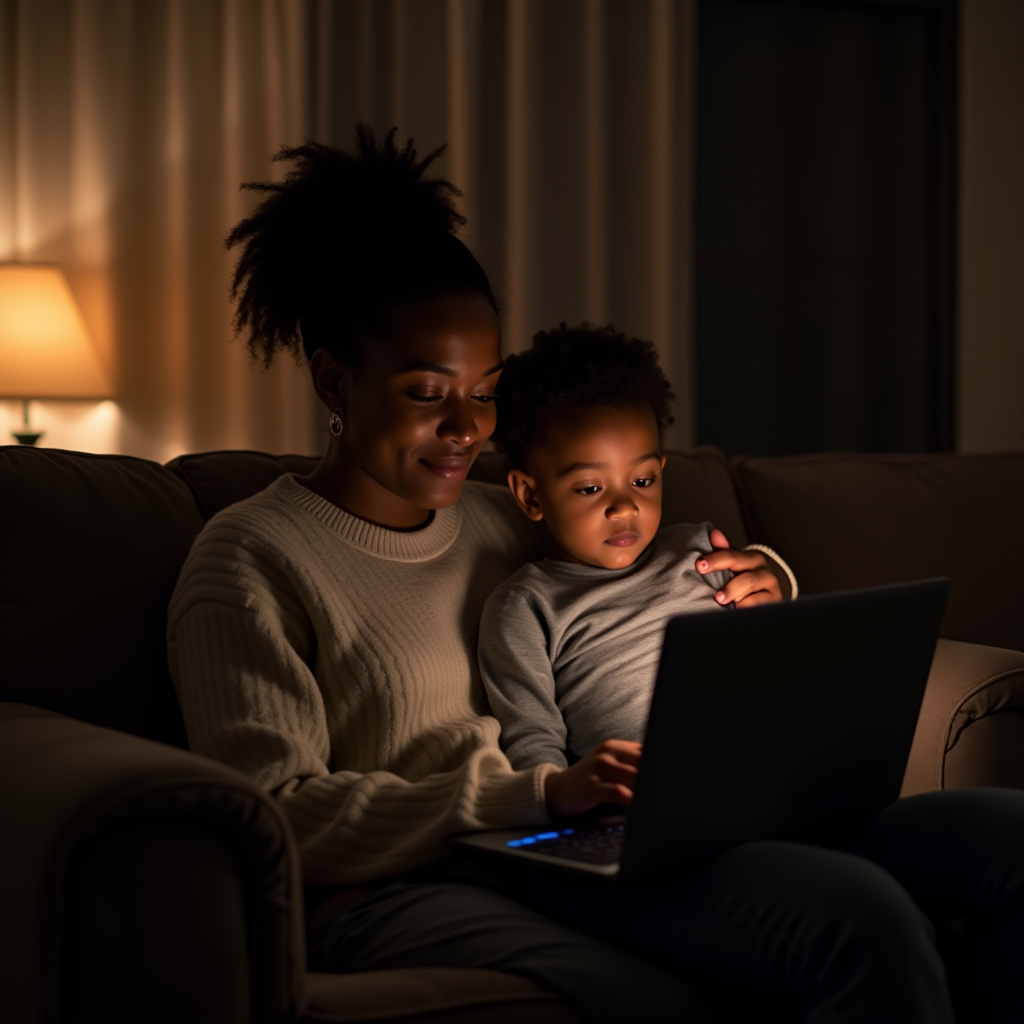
point(516, 798)
point(794, 589)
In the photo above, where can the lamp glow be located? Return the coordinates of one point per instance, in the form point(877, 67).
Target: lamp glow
point(45, 350)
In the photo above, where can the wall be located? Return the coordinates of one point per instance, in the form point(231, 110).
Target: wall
point(990, 326)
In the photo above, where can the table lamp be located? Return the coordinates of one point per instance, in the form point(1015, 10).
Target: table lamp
point(45, 351)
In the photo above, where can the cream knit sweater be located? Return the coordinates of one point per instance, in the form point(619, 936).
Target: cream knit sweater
point(333, 662)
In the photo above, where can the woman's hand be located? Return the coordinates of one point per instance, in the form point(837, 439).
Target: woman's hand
point(604, 776)
point(755, 581)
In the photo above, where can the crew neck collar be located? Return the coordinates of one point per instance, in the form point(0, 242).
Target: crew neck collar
point(420, 545)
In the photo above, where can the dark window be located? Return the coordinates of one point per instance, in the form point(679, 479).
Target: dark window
point(824, 225)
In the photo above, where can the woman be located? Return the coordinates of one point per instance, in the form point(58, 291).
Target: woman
point(322, 640)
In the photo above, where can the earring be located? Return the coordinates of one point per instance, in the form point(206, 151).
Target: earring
point(334, 422)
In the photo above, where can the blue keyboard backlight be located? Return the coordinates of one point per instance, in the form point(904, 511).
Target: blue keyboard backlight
point(530, 840)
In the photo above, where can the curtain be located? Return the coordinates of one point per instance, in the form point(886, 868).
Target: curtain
point(127, 125)
point(125, 129)
point(569, 125)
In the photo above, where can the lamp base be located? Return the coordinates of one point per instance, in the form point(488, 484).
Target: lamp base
point(26, 435)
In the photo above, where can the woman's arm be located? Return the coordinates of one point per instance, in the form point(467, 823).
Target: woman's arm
point(241, 648)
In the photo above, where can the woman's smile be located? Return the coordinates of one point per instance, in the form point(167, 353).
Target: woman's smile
point(450, 467)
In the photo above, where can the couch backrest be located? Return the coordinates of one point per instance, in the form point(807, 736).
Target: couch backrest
point(91, 549)
point(698, 484)
point(219, 479)
point(847, 521)
point(92, 546)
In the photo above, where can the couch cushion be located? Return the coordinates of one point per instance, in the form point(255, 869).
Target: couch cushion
point(698, 487)
point(846, 521)
point(92, 547)
point(219, 479)
point(436, 994)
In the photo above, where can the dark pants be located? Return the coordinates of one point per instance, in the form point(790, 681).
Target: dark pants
point(847, 934)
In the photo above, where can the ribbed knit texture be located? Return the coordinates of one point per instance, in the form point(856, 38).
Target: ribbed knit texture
point(333, 661)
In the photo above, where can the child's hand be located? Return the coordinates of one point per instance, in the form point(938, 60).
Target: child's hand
point(754, 581)
point(604, 776)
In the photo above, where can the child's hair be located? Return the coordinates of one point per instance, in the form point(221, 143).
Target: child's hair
point(342, 241)
point(575, 368)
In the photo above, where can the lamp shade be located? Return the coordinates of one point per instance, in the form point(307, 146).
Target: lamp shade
point(45, 351)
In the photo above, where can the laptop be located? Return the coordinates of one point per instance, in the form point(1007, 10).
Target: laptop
point(787, 720)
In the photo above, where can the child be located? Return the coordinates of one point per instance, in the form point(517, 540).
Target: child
point(569, 646)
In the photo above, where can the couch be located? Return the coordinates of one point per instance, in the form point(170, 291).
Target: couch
point(141, 882)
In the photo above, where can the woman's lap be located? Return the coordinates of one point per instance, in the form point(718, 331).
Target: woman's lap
point(454, 924)
point(837, 930)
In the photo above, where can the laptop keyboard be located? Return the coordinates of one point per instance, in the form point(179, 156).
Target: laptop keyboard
point(600, 845)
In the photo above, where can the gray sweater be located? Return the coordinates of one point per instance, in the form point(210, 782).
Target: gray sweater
point(569, 653)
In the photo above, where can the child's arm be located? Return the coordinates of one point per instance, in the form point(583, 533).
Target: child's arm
point(516, 669)
point(604, 776)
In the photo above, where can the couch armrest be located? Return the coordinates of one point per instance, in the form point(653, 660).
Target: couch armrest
point(970, 687)
point(139, 881)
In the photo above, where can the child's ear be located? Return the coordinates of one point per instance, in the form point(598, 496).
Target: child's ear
point(663, 458)
point(524, 490)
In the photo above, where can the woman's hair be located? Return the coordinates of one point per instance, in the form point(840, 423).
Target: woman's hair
point(571, 369)
point(342, 241)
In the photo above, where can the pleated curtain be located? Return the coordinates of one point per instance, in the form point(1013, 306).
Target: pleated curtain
point(569, 125)
point(126, 127)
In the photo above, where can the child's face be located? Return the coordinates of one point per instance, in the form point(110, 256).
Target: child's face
point(596, 482)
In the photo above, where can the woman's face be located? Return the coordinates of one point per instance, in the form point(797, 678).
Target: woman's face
point(416, 409)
